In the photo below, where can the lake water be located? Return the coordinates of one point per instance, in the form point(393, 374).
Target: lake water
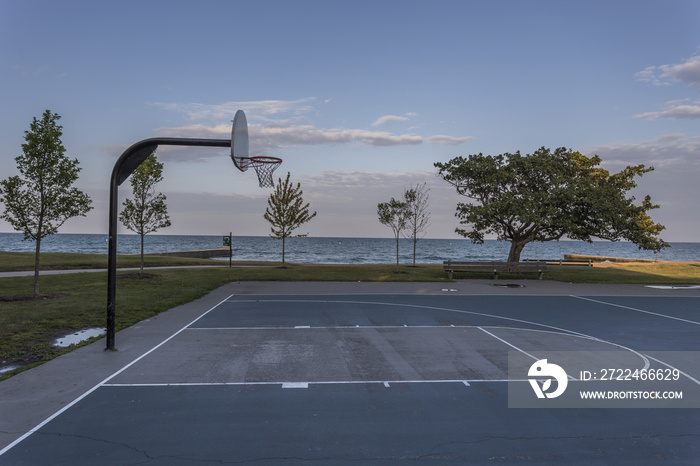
point(346, 250)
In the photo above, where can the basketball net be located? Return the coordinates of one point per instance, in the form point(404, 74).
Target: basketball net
point(264, 167)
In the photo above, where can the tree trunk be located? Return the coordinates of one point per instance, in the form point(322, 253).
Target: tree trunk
point(36, 265)
point(283, 252)
point(141, 270)
point(414, 250)
point(397, 254)
point(516, 247)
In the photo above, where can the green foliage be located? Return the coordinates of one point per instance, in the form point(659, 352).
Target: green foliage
point(548, 195)
point(42, 198)
point(147, 212)
point(286, 211)
point(395, 215)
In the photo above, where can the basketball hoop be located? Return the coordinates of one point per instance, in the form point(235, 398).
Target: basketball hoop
point(264, 166)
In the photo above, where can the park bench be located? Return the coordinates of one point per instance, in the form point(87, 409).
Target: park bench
point(496, 268)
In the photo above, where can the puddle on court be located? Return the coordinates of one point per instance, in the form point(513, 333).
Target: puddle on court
point(78, 337)
point(509, 285)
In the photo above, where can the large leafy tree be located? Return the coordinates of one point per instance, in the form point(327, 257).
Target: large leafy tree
point(147, 212)
point(548, 195)
point(42, 197)
point(394, 214)
point(286, 211)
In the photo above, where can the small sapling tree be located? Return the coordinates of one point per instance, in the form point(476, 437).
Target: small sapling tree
point(147, 212)
point(394, 215)
point(286, 211)
point(417, 220)
point(42, 197)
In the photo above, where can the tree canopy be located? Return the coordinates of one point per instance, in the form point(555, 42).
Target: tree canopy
point(286, 211)
point(549, 195)
point(42, 197)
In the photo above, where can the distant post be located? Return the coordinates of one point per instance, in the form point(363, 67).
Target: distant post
point(229, 242)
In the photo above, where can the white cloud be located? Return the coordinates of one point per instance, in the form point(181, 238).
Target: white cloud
point(674, 109)
point(675, 150)
point(449, 140)
point(195, 131)
point(265, 138)
point(365, 179)
point(260, 109)
point(284, 136)
point(389, 119)
point(650, 75)
point(277, 124)
point(673, 184)
point(688, 72)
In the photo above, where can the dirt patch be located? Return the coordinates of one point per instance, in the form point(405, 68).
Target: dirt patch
point(645, 264)
point(31, 297)
point(138, 276)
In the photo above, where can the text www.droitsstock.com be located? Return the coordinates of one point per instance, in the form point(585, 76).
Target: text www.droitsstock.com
point(631, 395)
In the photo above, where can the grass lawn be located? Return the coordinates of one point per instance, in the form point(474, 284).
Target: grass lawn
point(28, 328)
point(643, 273)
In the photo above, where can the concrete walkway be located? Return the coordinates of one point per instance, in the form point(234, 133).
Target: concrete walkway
point(29, 273)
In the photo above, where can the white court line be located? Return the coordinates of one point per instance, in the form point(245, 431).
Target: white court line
point(509, 344)
point(364, 327)
point(379, 327)
point(524, 352)
point(295, 385)
point(387, 384)
point(637, 310)
point(292, 296)
point(418, 306)
point(459, 311)
point(73, 403)
point(318, 382)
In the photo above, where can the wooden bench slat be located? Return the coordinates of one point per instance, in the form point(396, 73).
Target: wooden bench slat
point(497, 267)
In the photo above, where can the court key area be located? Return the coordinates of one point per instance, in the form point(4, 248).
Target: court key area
point(422, 377)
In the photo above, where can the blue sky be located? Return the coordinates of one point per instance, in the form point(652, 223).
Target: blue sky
point(359, 98)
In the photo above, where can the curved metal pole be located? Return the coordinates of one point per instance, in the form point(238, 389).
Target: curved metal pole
point(125, 166)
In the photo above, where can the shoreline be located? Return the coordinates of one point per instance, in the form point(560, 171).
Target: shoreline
point(348, 250)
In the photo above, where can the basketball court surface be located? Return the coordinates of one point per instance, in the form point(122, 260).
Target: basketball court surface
point(361, 373)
